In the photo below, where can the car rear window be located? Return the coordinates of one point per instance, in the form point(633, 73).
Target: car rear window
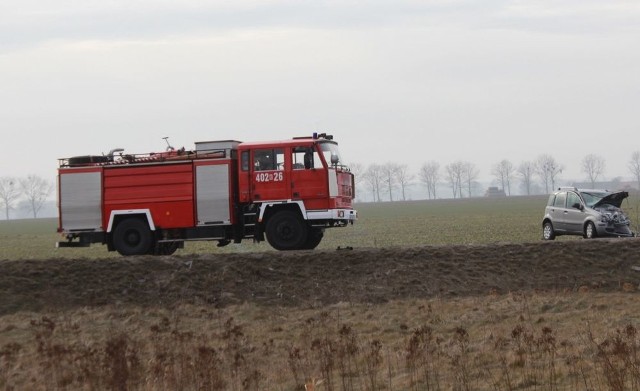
point(560, 200)
point(552, 197)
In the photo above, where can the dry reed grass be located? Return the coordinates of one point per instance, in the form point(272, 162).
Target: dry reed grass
point(543, 341)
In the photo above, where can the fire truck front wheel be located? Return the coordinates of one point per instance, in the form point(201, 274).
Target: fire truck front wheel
point(286, 231)
point(132, 237)
point(313, 238)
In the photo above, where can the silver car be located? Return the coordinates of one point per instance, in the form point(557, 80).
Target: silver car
point(590, 213)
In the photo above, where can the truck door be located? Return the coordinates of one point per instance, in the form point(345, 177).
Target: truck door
point(308, 176)
point(268, 175)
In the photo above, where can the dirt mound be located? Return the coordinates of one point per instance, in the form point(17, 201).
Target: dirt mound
point(317, 278)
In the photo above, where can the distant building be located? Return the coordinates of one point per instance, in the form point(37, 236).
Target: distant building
point(494, 192)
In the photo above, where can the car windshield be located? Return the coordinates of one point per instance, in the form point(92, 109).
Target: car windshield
point(592, 197)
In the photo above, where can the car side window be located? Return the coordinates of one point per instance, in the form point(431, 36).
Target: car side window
point(573, 201)
point(560, 200)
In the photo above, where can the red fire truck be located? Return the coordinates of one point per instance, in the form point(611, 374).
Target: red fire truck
point(287, 191)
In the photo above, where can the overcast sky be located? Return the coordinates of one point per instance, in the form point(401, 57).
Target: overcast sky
point(394, 81)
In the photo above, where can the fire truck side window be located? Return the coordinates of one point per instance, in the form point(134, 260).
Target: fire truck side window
point(304, 158)
point(279, 159)
point(268, 159)
point(245, 161)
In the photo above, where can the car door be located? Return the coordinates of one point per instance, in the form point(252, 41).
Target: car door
point(574, 213)
point(557, 211)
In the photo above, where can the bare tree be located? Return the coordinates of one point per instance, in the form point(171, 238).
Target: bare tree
point(404, 179)
point(526, 171)
point(593, 166)
point(470, 174)
point(503, 172)
point(9, 193)
point(454, 176)
point(548, 170)
point(430, 175)
point(634, 166)
point(373, 177)
point(36, 190)
point(389, 177)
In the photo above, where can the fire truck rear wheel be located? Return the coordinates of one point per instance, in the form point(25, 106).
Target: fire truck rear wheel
point(286, 231)
point(165, 248)
point(132, 237)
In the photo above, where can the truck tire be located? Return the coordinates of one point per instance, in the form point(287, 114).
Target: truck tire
point(132, 236)
point(314, 237)
point(286, 231)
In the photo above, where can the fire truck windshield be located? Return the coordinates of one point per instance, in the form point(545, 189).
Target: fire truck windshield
point(331, 153)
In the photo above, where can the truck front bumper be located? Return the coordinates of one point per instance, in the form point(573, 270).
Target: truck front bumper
point(348, 215)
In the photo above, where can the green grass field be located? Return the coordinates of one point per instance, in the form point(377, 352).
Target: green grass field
point(411, 223)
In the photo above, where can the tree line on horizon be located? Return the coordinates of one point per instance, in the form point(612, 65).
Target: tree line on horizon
point(389, 180)
point(32, 189)
point(385, 180)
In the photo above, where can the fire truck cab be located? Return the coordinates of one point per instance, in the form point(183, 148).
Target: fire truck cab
point(287, 192)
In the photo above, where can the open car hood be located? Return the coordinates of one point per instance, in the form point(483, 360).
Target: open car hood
point(614, 199)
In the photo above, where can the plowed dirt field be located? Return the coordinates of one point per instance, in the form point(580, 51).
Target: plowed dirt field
point(317, 278)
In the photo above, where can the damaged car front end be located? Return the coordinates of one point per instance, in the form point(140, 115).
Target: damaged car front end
point(612, 219)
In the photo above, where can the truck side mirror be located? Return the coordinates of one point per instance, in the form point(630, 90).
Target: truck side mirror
point(335, 159)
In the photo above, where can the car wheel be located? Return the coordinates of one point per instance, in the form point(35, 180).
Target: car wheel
point(547, 231)
point(590, 231)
